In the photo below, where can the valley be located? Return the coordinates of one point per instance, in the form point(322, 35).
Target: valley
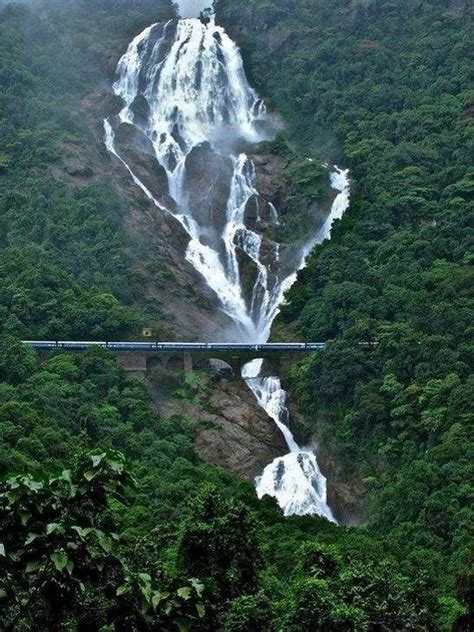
point(269, 172)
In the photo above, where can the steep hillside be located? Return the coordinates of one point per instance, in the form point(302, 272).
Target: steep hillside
point(384, 88)
point(97, 261)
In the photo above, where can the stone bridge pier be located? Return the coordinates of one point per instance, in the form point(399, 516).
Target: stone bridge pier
point(137, 363)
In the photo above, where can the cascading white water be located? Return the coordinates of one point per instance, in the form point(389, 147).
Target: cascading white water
point(194, 86)
point(184, 91)
point(295, 479)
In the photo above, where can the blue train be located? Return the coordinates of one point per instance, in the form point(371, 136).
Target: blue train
point(71, 345)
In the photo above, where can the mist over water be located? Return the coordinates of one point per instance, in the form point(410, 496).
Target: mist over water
point(188, 109)
point(192, 8)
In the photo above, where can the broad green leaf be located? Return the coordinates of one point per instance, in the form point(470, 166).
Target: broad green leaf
point(31, 538)
point(78, 530)
point(3, 594)
point(89, 475)
point(116, 466)
point(144, 578)
point(68, 478)
point(197, 585)
point(81, 531)
point(59, 560)
point(97, 459)
point(2, 550)
point(123, 590)
point(33, 566)
point(54, 527)
point(201, 610)
point(184, 592)
point(158, 597)
point(32, 484)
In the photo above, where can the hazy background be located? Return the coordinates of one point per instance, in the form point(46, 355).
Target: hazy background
point(192, 8)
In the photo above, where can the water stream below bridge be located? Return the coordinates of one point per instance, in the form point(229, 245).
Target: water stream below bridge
point(187, 102)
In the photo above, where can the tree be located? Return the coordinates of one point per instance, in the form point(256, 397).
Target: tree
point(220, 541)
point(61, 558)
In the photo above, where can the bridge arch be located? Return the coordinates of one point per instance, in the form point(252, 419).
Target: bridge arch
point(154, 361)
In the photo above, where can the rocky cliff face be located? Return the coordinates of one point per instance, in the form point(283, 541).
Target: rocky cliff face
point(232, 431)
point(156, 241)
point(237, 435)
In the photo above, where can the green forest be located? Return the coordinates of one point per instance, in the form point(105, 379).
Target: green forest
point(108, 518)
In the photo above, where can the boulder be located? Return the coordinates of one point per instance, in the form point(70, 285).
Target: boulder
point(137, 150)
point(207, 182)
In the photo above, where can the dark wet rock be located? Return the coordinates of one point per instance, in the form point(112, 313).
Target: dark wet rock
point(102, 104)
point(242, 438)
point(137, 150)
point(252, 212)
point(140, 110)
point(129, 136)
point(270, 183)
point(248, 275)
point(207, 183)
point(346, 493)
point(233, 431)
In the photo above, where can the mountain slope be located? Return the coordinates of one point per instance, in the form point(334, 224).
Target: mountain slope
point(383, 88)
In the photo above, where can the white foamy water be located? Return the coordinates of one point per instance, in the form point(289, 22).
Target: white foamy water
point(194, 86)
point(295, 479)
point(184, 91)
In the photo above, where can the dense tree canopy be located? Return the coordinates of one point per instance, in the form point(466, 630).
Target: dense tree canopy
point(64, 271)
point(384, 88)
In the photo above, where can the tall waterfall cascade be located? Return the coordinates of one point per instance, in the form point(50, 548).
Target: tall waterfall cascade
point(188, 115)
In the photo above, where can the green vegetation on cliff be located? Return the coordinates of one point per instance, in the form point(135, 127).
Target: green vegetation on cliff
point(63, 268)
point(383, 88)
point(158, 540)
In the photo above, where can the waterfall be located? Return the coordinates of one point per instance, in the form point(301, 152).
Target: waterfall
point(188, 114)
point(295, 479)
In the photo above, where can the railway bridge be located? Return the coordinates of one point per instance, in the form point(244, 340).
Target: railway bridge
point(138, 357)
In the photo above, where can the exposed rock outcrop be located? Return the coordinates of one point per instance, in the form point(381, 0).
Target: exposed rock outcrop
point(207, 183)
point(239, 435)
point(137, 151)
point(232, 431)
point(156, 241)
